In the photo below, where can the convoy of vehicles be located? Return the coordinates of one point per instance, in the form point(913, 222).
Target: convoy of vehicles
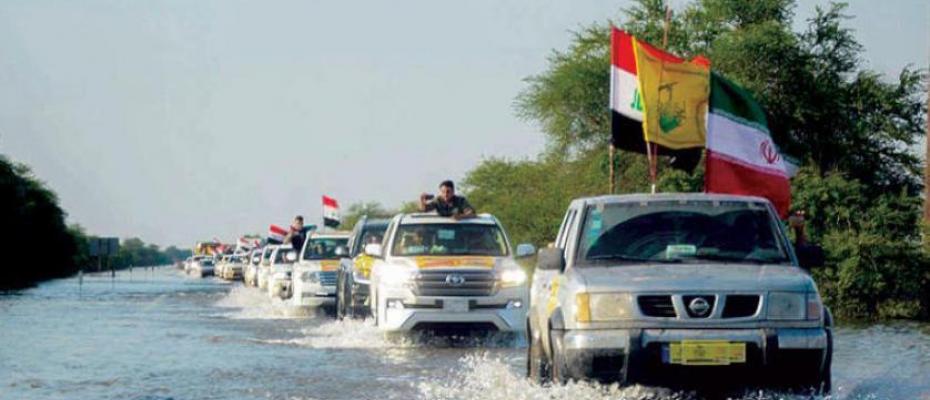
point(635, 288)
point(641, 287)
point(355, 269)
point(434, 271)
point(314, 278)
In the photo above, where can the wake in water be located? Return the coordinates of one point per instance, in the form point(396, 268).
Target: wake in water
point(482, 377)
point(252, 303)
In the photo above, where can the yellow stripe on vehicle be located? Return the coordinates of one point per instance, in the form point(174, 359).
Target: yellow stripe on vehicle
point(446, 262)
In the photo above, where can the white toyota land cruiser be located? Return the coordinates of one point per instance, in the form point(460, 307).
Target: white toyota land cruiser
point(436, 272)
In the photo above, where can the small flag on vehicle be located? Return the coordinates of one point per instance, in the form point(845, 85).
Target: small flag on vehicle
point(276, 234)
point(330, 212)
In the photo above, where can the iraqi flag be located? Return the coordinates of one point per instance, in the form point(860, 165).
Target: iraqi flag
point(330, 212)
point(626, 103)
point(741, 156)
point(276, 234)
point(244, 244)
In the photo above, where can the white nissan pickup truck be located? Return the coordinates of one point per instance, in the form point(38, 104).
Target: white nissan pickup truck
point(678, 288)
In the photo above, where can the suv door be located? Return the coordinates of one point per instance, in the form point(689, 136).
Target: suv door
point(542, 288)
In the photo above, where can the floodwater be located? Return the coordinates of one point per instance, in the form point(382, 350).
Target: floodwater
point(157, 334)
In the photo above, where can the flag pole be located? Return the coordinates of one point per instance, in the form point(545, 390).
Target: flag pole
point(612, 152)
point(927, 165)
point(652, 149)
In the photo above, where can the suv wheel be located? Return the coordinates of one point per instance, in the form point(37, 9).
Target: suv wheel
point(340, 296)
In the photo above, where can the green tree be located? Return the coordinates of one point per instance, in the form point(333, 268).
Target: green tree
point(853, 128)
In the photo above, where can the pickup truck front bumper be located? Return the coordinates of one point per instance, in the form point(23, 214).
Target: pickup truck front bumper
point(640, 355)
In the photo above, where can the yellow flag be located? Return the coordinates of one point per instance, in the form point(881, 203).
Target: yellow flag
point(674, 95)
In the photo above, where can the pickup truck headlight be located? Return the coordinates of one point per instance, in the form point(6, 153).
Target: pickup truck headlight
point(602, 307)
point(787, 306)
point(512, 277)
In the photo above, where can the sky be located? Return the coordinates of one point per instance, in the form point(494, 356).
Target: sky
point(178, 121)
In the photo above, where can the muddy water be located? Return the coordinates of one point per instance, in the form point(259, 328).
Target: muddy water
point(155, 334)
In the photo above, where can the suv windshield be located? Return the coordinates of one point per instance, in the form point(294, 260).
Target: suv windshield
point(323, 248)
point(449, 239)
point(681, 231)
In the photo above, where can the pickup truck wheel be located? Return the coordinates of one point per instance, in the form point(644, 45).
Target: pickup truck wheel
point(537, 367)
point(559, 366)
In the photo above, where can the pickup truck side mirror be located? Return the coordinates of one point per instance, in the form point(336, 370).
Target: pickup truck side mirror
point(373, 249)
point(810, 256)
point(525, 250)
point(341, 251)
point(551, 259)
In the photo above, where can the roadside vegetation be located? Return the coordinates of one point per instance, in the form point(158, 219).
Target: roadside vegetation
point(853, 130)
point(40, 245)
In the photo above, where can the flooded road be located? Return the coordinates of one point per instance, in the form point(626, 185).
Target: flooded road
point(156, 334)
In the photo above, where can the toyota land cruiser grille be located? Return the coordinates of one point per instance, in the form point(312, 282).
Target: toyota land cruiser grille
point(656, 306)
point(455, 283)
point(328, 278)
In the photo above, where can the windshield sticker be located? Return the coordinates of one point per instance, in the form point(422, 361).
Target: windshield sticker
point(445, 234)
point(595, 225)
point(678, 250)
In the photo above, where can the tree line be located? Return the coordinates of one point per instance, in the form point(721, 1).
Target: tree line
point(41, 245)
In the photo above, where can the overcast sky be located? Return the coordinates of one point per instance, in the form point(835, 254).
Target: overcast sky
point(183, 120)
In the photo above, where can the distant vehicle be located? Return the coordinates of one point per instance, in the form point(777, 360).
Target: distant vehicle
point(695, 286)
point(314, 277)
point(201, 267)
point(441, 273)
point(264, 267)
point(279, 275)
point(220, 269)
point(355, 269)
point(234, 267)
point(250, 275)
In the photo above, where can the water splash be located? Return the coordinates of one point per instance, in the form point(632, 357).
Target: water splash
point(252, 303)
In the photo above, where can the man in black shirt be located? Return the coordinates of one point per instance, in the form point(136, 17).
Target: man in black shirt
point(296, 234)
point(447, 204)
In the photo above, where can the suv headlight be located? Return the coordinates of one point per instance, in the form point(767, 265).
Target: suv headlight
point(310, 276)
point(794, 306)
point(512, 277)
point(602, 307)
point(397, 276)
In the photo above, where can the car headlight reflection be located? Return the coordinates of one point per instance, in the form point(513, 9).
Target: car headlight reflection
point(603, 307)
point(513, 277)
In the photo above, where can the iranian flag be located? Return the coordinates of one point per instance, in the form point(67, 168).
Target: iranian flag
point(626, 103)
point(276, 234)
point(741, 156)
point(330, 212)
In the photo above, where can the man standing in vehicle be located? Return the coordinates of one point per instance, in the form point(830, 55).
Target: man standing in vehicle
point(447, 204)
point(295, 235)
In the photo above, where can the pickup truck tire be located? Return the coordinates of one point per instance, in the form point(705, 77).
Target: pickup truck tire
point(560, 374)
point(537, 366)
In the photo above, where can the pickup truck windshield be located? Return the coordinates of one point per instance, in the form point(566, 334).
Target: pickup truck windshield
point(323, 248)
point(681, 231)
point(449, 240)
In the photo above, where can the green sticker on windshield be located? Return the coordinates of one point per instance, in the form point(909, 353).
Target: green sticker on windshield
point(678, 250)
point(595, 225)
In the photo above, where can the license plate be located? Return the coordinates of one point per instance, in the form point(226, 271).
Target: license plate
point(456, 305)
point(706, 352)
